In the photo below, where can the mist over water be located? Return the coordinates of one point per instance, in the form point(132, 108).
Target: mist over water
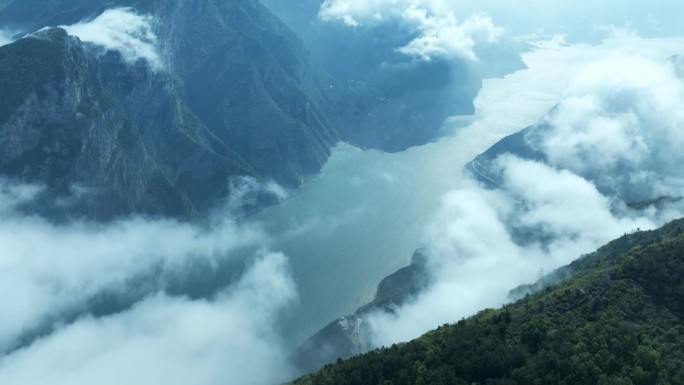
point(362, 217)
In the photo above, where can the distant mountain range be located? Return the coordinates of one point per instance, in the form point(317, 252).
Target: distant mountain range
point(630, 189)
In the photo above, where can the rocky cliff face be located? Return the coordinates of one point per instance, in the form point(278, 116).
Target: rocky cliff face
point(93, 125)
point(238, 95)
point(251, 81)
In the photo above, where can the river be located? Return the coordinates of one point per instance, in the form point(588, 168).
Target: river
point(361, 218)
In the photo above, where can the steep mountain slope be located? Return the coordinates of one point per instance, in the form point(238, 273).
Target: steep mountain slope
point(349, 335)
point(114, 132)
point(616, 320)
point(247, 84)
point(238, 81)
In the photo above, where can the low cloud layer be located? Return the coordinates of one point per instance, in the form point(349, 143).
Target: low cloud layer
point(50, 275)
point(615, 133)
point(5, 37)
point(436, 29)
point(621, 126)
point(579, 20)
point(165, 340)
point(487, 242)
point(122, 30)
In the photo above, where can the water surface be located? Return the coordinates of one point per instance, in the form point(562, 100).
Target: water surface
point(361, 218)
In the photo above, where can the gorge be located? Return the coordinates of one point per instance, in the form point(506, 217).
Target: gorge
point(201, 186)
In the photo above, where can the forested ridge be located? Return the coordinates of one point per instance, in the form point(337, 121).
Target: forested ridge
point(617, 320)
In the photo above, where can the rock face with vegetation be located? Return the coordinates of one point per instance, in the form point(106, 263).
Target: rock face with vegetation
point(349, 335)
point(238, 95)
point(617, 319)
point(110, 132)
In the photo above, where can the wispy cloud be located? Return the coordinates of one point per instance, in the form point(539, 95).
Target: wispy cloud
point(164, 340)
point(51, 274)
point(620, 125)
point(613, 137)
point(5, 37)
point(437, 31)
point(122, 30)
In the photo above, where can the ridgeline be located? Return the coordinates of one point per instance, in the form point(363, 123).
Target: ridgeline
point(616, 320)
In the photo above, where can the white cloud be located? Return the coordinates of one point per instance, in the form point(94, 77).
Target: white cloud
point(487, 242)
point(438, 32)
point(245, 193)
point(46, 271)
point(5, 37)
point(122, 30)
point(563, 205)
point(616, 132)
point(50, 274)
point(164, 340)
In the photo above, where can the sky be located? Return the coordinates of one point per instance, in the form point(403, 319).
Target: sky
point(619, 109)
point(52, 275)
point(169, 340)
point(438, 21)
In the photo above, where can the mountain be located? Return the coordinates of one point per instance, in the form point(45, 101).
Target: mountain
point(615, 134)
point(237, 95)
point(390, 84)
point(522, 144)
point(349, 335)
point(617, 319)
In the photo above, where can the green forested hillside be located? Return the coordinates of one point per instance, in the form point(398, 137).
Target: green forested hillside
point(617, 320)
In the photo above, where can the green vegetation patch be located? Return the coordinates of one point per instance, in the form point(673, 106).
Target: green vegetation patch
point(617, 320)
